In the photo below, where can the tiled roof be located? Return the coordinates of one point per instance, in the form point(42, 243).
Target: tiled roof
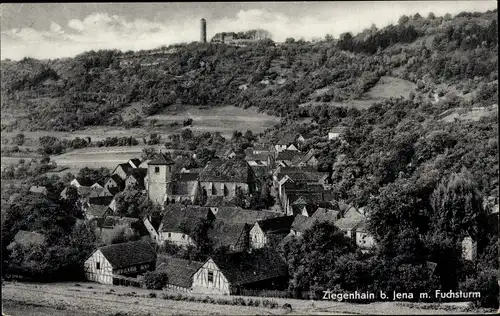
point(129, 254)
point(84, 181)
point(239, 215)
point(126, 167)
point(97, 210)
point(351, 219)
point(135, 161)
point(276, 225)
point(162, 159)
point(217, 201)
point(187, 176)
point(190, 215)
point(227, 233)
point(101, 200)
point(244, 268)
point(302, 223)
point(286, 140)
point(118, 180)
point(113, 221)
point(181, 187)
point(289, 155)
point(253, 157)
point(324, 215)
point(138, 174)
point(234, 170)
point(180, 272)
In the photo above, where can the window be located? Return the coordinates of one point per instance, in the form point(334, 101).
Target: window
point(157, 169)
point(98, 266)
point(169, 235)
point(169, 168)
point(183, 236)
point(210, 276)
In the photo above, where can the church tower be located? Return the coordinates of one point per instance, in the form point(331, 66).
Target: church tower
point(159, 175)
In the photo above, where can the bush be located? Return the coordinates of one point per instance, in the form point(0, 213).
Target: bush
point(155, 280)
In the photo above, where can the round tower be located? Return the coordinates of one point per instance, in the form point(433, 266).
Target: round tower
point(203, 35)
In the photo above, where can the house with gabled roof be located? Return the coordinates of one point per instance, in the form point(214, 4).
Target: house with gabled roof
point(270, 231)
point(286, 158)
point(230, 273)
point(354, 225)
point(115, 184)
point(134, 162)
point(286, 142)
point(303, 137)
point(136, 178)
point(223, 177)
point(122, 170)
point(178, 220)
point(108, 263)
point(81, 182)
point(180, 273)
point(308, 159)
point(184, 187)
point(302, 223)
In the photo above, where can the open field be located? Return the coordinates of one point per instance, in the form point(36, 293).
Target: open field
point(96, 299)
point(385, 88)
point(224, 119)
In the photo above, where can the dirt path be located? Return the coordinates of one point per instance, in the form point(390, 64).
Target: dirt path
point(95, 299)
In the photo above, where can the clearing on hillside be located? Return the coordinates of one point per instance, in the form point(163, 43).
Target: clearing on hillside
point(224, 119)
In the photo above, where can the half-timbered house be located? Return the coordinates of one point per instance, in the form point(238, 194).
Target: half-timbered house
point(107, 264)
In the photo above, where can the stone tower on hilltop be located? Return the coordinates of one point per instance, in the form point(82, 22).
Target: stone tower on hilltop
point(159, 175)
point(203, 31)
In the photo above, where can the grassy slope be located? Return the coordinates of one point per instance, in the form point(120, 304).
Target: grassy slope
point(81, 300)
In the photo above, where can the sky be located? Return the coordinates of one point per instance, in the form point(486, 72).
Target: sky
point(56, 30)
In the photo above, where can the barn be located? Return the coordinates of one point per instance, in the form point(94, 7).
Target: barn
point(113, 264)
point(270, 231)
point(229, 274)
point(180, 273)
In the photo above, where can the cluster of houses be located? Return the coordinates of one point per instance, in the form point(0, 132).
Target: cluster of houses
point(190, 197)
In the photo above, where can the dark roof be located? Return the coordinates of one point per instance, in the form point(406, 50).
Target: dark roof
point(97, 210)
point(276, 225)
point(179, 271)
point(101, 200)
point(84, 181)
point(324, 215)
point(118, 180)
point(187, 176)
point(351, 219)
point(217, 201)
point(308, 156)
point(189, 215)
point(138, 174)
point(289, 155)
point(181, 187)
point(254, 157)
point(227, 233)
point(126, 167)
point(129, 254)
point(161, 159)
point(306, 176)
point(239, 215)
point(113, 221)
point(234, 170)
point(286, 140)
point(244, 268)
point(302, 223)
point(135, 161)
